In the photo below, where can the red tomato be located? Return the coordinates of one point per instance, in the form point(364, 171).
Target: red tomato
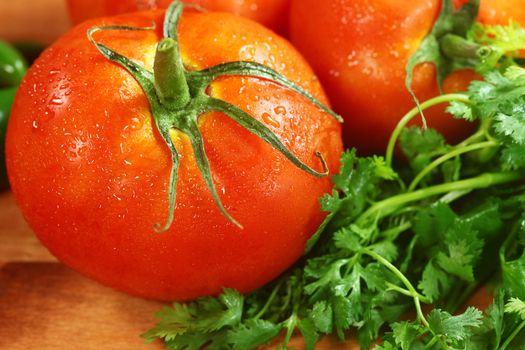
point(90, 171)
point(271, 13)
point(498, 11)
point(359, 49)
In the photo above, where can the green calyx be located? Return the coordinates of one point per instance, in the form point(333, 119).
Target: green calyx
point(178, 98)
point(446, 46)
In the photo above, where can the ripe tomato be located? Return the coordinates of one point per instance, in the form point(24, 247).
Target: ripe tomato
point(359, 49)
point(497, 11)
point(91, 172)
point(271, 13)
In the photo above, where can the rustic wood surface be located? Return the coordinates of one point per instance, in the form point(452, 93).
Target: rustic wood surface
point(43, 302)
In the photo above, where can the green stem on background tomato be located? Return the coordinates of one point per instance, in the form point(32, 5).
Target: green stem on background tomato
point(455, 46)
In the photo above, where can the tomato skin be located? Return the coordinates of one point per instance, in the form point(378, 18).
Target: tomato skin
point(359, 50)
point(91, 175)
point(362, 65)
point(497, 11)
point(271, 13)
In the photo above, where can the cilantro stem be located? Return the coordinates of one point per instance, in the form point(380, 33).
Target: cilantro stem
point(502, 250)
point(410, 288)
point(454, 153)
point(459, 301)
point(391, 204)
point(290, 324)
point(399, 289)
point(431, 343)
point(412, 292)
point(414, 112)
point(513, 335)
point(270, 300)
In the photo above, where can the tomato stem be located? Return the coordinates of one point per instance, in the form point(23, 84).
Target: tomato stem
point(170, 79)
point(455, 46)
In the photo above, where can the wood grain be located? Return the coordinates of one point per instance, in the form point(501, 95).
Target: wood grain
point(50, 305)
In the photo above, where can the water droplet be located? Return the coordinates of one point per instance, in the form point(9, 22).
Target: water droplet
point(394, 53)
point(56, 100)
point(268, 119)
point(247, 51)
point(136, 123)
point(334, 73)
point(280, 110)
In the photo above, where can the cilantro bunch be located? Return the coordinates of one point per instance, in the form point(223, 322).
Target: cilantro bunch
point(403, 247)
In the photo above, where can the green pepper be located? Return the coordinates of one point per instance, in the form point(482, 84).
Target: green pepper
point(30, 50)
point(13, 66)
point(6, 101)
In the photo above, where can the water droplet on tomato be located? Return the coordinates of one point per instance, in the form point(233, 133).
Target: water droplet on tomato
point(56, 100)
point(136, 123)
point(368, 71)
point(334, 73)
point(247, 52)
point(280, 110)
point(394, 53)
point(268, 119)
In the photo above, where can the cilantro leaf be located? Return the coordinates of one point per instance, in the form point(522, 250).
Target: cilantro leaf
point(253, 333)
point(454, 327)
point(203, 316)
point(309, 333)
point(517, 306)
point(405, 334)
point(420, 145)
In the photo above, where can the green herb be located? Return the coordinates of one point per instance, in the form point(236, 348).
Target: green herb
point(399, 236)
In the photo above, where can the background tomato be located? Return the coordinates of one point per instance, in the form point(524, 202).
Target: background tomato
point(359, 50)
point(271, 13)
point(498, 11)
point(91, 174)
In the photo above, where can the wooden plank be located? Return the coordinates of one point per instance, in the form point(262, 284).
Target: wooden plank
point(48, 306)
